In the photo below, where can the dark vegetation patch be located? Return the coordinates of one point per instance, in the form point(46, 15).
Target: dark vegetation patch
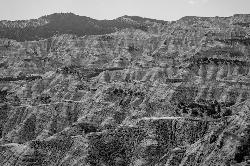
point(211, 109)
point(116, 146)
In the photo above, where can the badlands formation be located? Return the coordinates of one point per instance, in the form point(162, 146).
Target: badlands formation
point(126, 92)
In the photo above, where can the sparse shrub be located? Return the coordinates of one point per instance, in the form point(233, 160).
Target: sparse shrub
point(115, 146)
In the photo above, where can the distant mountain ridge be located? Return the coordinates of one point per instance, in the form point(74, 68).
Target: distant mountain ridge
point(68, 23)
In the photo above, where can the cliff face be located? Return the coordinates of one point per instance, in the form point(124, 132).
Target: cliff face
point(174, 94)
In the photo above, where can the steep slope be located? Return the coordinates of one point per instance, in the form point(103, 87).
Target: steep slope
point(176, 94)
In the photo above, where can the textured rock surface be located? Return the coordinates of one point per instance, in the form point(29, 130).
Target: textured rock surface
point(174, 94)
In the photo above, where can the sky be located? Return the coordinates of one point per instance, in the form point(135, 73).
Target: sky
point(168, 10)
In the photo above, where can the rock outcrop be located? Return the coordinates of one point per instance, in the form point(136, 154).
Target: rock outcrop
point(155, 93)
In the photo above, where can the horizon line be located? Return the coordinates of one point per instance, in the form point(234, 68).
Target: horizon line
point(124, 16)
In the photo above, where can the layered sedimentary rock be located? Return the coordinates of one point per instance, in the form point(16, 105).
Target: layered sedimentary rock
point(174, 94)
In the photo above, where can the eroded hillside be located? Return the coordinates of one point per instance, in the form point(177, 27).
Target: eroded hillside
point(174, 94)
